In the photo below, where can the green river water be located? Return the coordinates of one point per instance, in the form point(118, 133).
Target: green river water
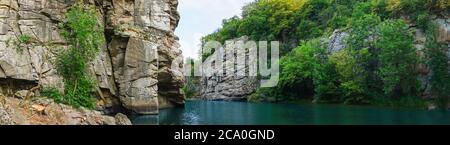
point(242, 113)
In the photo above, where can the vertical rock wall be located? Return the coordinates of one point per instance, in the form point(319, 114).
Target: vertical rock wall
point(133, 69)
point(222, 84)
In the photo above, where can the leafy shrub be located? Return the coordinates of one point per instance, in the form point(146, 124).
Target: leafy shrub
point(414, 7)
point(326, 83)
point(85, 36)
point(19, 42)
point(298, 66)
point(189, 88)
point(398, 59)
point(25, 39)
point(53, 93)
point(438, 63)
point(351, 77)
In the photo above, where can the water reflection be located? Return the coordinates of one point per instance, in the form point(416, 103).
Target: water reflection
point(242, 113)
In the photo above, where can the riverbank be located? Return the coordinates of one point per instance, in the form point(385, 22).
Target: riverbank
point(43, 111)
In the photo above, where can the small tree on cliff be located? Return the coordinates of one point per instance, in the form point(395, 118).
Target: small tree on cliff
point(84, 36)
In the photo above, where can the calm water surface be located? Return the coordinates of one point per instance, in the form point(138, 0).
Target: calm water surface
point(243, 113)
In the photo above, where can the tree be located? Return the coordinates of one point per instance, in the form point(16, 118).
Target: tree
point(398, 59)
point(84, 35)
point(351, 76)
point(438, 64)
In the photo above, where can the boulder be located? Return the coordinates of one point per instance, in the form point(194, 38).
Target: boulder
point(5, 118)
point(122, 119)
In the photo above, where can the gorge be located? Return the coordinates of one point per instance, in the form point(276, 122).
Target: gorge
point(351, 61)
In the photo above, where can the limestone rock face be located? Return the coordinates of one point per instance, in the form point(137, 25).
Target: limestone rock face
point(337, 41)
point(143, 46)
point(221, 84)
point(133, 70)
point(28, 63)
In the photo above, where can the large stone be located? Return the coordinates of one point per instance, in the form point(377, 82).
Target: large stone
point(121, 119)
point(5, 118)
point(137, 82)
point(337, 41)
point(142, 51)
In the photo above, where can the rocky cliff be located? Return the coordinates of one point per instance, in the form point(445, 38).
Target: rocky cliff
point(222, 84)
point(133, 70)
point(217, 87)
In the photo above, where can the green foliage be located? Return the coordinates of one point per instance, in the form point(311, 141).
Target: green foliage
point(413, 6)
point(326, 81)
point(398, 59)
point(20, 43)
point(407, 101)
point(438, 63)
point(84, 34)
point(53, 93)
point(287, 21)
point(290, 65)
point(377, 65)
point(351, 76)
point(189, 88)
point(422, 20)
point(25, 39)
point(268, 95)
point(357, 64)
point(295, 73)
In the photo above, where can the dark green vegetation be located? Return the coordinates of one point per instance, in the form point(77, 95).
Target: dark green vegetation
point(190, 86)
point(84, 35)
point(379, 64)
point(52, 93)
point(438, 64)
point(19, 42)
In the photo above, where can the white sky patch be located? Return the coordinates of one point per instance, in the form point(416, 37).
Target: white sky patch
point(202, 17)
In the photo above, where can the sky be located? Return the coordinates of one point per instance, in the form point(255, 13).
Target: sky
point(202, 17)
